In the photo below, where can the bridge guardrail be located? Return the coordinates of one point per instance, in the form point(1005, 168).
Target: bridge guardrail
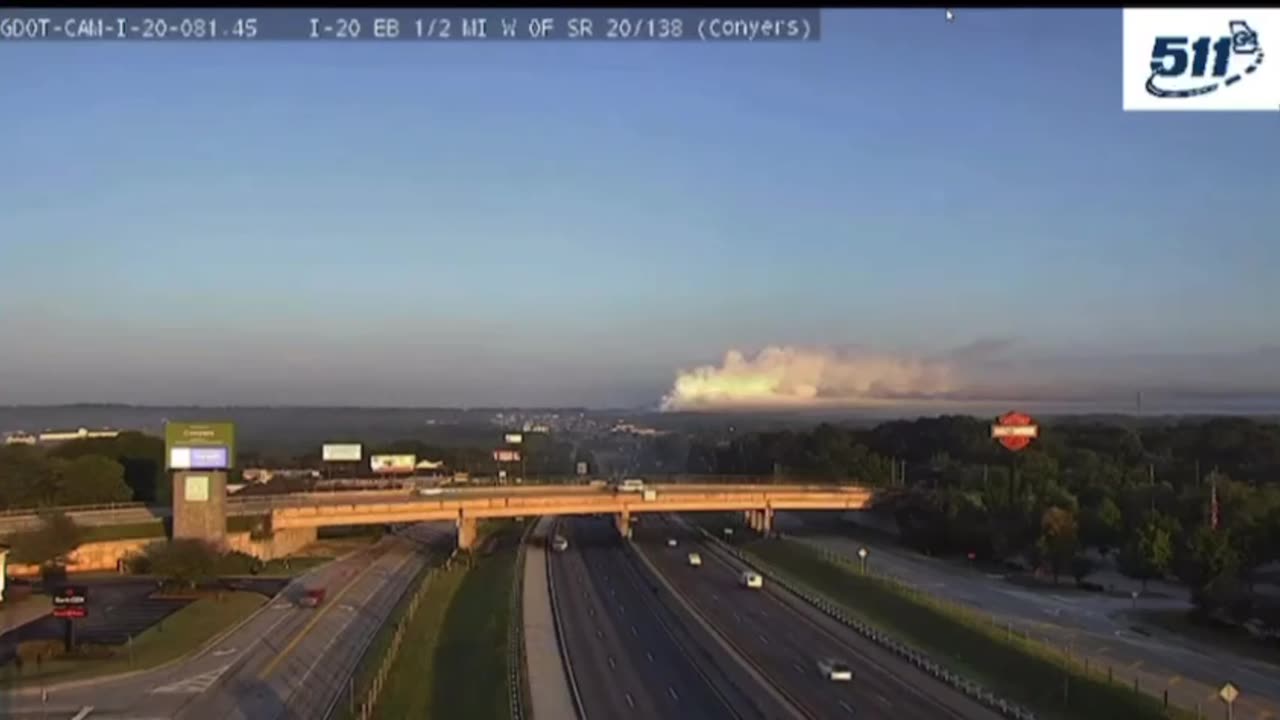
point(915, 657)
point(20, 512)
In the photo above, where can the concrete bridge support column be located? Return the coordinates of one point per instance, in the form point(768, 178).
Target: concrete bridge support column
point(765, 520)
point(623, 522)
point(466, 532)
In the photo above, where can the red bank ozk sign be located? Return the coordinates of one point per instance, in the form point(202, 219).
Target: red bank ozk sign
point(1015, 430)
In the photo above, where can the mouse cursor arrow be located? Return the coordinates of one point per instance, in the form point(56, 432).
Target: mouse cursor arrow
point(951, 17)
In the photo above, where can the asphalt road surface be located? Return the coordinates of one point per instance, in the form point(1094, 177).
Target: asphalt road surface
point(1093, 624)
point(285, 661)
point(631, 655)
point(785, 638)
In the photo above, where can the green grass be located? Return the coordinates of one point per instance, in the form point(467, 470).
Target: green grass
point(184, 631)
point(1234, 640)
point(452, 664)
point(1022, 671)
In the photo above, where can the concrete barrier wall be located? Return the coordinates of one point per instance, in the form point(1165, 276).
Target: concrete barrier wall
point(100, 556)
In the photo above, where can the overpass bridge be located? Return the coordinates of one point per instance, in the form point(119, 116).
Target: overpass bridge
point(309, 511)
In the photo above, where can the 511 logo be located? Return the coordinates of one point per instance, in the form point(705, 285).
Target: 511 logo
point(1199, 60)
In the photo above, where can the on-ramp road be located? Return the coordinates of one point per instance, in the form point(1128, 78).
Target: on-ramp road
point(283, 662)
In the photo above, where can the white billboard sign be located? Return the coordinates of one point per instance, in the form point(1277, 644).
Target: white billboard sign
point(392, 463)
point(513, 438)
point(342, 452)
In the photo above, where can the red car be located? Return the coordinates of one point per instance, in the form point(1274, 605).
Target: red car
point(313, 598)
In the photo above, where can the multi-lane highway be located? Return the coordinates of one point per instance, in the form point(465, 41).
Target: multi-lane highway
point(786, 638)
point(285, 661)
point(630, 654)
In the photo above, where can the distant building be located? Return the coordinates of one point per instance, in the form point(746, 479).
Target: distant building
point(53, 437)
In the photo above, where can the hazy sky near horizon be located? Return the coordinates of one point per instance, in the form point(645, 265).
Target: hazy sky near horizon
point(907, 207)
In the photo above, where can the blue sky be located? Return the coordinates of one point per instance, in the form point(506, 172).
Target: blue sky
point(559, 223)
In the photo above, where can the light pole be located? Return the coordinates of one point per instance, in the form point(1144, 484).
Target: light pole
point(862, 555)
point(1134, 596)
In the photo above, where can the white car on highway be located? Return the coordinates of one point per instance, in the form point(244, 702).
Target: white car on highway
point(695, 560)
point(835, 671)
point(559, 544)
point(671, 542)
point(752, 580)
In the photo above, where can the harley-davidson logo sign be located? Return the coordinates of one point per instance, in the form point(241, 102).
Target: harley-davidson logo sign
point(1015, 430)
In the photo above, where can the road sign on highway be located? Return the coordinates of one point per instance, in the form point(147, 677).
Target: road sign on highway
point(1015, 430)
point(1228, 693)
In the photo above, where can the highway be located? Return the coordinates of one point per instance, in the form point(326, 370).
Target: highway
point(1094, 624)
point(785, 638)
point(631, 655)
point(283, 662)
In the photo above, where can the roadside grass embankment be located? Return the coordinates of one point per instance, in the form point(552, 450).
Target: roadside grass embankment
point(1024, 671)
point(452, 656)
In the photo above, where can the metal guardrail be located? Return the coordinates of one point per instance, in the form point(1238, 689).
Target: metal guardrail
point(20, 512)
point(915, 657)
point(517, 677)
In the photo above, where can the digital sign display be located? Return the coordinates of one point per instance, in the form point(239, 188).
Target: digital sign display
point(71, 601)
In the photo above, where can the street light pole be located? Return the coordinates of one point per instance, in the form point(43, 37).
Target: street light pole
point(862, 555)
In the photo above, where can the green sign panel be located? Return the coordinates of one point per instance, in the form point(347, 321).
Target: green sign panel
point(199, 445)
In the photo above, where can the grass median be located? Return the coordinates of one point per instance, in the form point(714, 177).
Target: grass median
point(1023, 671)
point(182, 632)
point(452, 663)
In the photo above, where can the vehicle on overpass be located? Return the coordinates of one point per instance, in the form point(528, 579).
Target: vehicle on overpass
point(631, 485)
point(559, 543)
point(835, 671)
point(695, 560)
point(751, 579)
point(428, 491)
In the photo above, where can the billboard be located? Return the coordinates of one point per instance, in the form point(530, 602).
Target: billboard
point(199, 445)
point(392, 463)
point(341, 452)
point(71, 601)
point(582, 468)
point(506, 456)
point(513, 438)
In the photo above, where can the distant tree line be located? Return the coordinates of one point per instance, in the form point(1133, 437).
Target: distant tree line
point(129, 467)
point(1142, 493)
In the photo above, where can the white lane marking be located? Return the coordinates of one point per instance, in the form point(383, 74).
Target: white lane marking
point(224, 651)
point(884, 700)
point(612, 664)
point(672, 692)
point(599, 634)
point(622, 610)
point(649, 655)
point(281, 606)
point(764, 639)
point(630, 701)
point(797, 667)
point(634, 631)
point(737, 617)
point(846, 707)
point(84, 713)
point(195, 684)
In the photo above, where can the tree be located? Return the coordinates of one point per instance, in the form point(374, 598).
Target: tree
point(1210, 567)
point(26, 474)
point(1149, 552)
point(1101, 526)
point(185, 563)
point(90, 479)
point(48, 545)
point(1058, 540)
point(1081, 566)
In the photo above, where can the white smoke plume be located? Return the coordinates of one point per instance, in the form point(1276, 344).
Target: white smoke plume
point(788, 377)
